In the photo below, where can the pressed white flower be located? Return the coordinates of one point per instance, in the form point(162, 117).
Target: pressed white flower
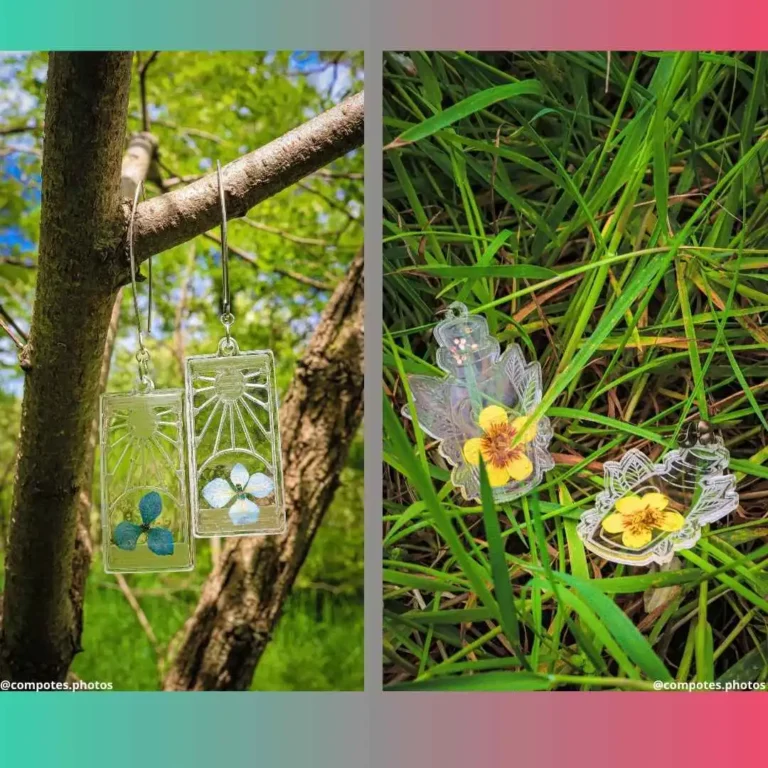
point(220, 492)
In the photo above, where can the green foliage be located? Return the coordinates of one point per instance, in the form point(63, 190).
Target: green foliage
point(318, 647)
point(318, 644)
point(204, 107)
point(609, 217)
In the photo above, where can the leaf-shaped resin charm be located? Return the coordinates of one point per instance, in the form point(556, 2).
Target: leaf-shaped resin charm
point(647, 511)
point(480, 407)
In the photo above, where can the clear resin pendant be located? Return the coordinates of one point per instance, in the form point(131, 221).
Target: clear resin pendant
point(234, 443)
point(648, 511)
point(144, 510)
point(480, 407)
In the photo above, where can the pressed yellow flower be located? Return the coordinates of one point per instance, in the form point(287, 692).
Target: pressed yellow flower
point(502, 460)
point(637, 517)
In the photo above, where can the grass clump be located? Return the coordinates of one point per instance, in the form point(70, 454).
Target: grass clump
point(607, 214)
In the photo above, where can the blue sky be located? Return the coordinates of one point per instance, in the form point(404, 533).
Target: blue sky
point(13, 101)
point(304, 62)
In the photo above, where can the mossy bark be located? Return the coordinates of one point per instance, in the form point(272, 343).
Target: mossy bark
point(82, 227)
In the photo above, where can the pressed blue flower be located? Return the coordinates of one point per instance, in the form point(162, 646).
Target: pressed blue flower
point(159, 540)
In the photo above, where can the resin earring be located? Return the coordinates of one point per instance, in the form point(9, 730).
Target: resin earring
point(144, 510)
point(478, 409)
point(648, 511)
point(235, 464)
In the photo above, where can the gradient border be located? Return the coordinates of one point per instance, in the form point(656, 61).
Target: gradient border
point(387, 729)
point(183, 25)
point(382, 25)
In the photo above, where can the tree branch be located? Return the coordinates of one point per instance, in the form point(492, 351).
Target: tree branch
point(142, 150)
point(145, 124)
point(171, 219)
point(249, 258)
point(141, 617)
point(21, 264)
point(13, 150)
point(9, 325)
point(331, 202)
point(298, 239)
point(182, 130)
point(11, 130)
point(241, 600)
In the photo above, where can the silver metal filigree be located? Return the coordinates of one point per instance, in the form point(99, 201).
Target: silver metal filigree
point(691, 478)
point(144, 510)
point(478, 375)
point(234, 443)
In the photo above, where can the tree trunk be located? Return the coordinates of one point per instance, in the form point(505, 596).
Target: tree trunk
point(240, 605)
point(82, 226)
point(81, 557)
point(135, 166)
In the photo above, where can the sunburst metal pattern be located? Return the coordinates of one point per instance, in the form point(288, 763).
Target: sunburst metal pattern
point(142, 452)
point(234, 445)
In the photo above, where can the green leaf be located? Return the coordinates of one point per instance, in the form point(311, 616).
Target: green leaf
point(487, 681)
point(502, 587)
point(423, 482)
point(469, 106)
point(621, 627)
point(528, 271)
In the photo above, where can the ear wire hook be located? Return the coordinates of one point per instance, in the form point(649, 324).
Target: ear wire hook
point(700, 431)
point(142, 356)
point(227, 318)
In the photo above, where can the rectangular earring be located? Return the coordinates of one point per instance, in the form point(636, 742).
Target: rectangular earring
point(235, 463)
point(144, 509)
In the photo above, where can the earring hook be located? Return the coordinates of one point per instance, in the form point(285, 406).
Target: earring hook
point(142, 356)
point(700, 431)
point(227, 318)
